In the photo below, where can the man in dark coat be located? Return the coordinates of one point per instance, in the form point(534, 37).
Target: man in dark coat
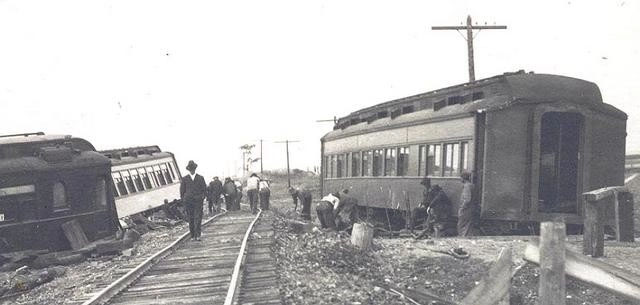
point(230, 192)
point(419, 214)
point(346, 213)
point(213, 195)
point(192, 192)
point(304, 195)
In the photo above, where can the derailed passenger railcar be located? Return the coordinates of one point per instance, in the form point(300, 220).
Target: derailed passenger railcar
point(143, 178)
point(533, 143)
point(47, 180)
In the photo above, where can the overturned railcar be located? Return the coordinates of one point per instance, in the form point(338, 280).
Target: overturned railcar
point(143, 178)
point(533, 143)
point(47, 180)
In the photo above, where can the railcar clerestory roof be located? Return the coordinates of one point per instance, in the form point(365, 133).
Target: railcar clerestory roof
point(137, 154)
point(488, 94)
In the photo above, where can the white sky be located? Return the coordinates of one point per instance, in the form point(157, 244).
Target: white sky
point(201, 78)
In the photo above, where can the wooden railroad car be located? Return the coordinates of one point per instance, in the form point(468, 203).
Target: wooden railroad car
point(533, 143)
point(48, 180)
point(143, 177)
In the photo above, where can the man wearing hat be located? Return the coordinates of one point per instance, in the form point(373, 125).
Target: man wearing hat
point(192, 192)
point(214, 190)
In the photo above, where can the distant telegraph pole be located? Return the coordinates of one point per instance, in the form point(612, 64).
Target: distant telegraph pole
point(469, 39)
point(288, 171)
point(261, 157)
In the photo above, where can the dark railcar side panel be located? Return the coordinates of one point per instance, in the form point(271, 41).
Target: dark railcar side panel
point(505, 161)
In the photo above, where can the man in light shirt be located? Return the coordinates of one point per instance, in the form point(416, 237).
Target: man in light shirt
point(252, 192)
point(265, 193)
point(325, 208)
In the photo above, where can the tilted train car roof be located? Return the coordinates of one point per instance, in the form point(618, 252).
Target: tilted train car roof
point(136, 154)
point(40, 138)
point(488, 94)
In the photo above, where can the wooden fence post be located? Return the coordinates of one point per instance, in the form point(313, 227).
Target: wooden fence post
point(552, 259)
point(624, 215)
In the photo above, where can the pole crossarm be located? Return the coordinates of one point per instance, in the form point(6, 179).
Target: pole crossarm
point(469, 38)
point(474, 27)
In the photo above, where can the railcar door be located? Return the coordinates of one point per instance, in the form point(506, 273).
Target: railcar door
point(560, 134)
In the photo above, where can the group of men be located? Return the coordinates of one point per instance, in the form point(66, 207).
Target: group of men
point(194, 190)
point(436, 213)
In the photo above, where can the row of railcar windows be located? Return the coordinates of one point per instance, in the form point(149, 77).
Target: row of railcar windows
point(140, 179)
point(394, 161)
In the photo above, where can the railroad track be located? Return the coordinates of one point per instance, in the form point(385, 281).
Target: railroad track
point(231, 265)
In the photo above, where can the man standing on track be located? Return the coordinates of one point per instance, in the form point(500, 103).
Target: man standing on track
point(230, 192)
point(192, 192)
point(213, 195)
point(264, 193)
point(252, 192)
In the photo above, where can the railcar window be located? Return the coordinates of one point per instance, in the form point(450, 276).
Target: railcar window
point(101, 192)
point(158, 173)
point(59, 196)
point(347, 164)
point(145, 178)
point(434, 160)
point(390, 162)
point(340, 166)
point(326, 166)
point(115, 190)
point(355, 164)
point(378, 162)
point(465, 156)
point(366, 163)
point(137, 180)
point(332, 166)
point(171, 170)
point(451, 159)
point(422, 158)
point(128, 182)
point(403, 161)
point(122, 189)
point(12, 198)
point(167, 176)
point(154, 179)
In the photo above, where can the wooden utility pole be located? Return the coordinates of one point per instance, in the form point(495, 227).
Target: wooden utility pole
point(469, 38)
point(286, 142)
point(261, 157)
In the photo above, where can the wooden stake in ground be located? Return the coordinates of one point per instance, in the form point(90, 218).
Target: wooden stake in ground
point(494, 287)
point(362, 235)
point(552, 289)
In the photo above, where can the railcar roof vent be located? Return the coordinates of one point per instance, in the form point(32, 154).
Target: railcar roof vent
point(383, 114)
point(478, 95)
point(56, 154)
point(439, 105)
point(396, 112)
point(372, 118)
point(407, 109)
point(453, 100)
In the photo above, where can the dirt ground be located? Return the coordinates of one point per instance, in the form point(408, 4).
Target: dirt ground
point(83, 277)
point(320, 267)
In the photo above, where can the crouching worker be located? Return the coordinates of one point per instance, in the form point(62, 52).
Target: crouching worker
point(439, 218)
point(304, 195)
point(325, 208)
point(419, 214)
point(346, 212)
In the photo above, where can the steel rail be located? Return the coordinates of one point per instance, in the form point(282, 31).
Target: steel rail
point(233, 285)
point(124, 281)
